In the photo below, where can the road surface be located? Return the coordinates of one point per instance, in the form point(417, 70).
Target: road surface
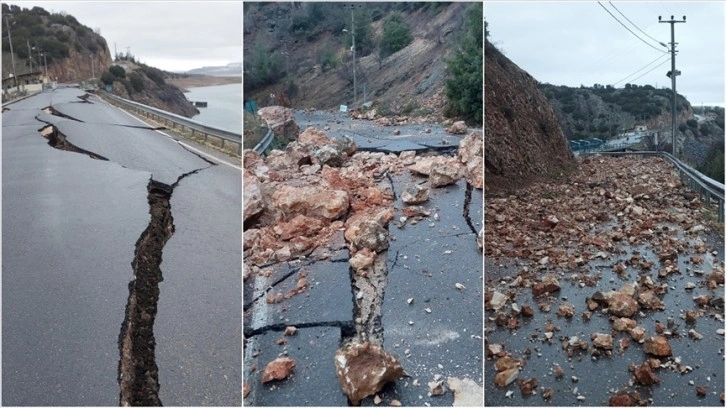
point(71, 224)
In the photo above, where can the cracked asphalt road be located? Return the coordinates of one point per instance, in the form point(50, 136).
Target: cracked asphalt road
point(424, 260)
point(70, 228)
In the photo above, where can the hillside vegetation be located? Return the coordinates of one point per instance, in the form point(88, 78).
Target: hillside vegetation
point(71, 50)
point(303, 54)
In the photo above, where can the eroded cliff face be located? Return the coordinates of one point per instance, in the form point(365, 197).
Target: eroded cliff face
point(81, 65)
point(523, 139)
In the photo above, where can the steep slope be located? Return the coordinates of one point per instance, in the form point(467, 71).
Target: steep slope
point(70, 50)
point(311, 65)
point(523, 137)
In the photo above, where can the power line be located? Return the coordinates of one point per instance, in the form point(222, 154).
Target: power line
point(631, 31)
point(634, 25)
point(649, 71)
point(644, 67)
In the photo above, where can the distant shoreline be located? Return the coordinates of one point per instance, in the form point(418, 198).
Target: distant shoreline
point(200, 81)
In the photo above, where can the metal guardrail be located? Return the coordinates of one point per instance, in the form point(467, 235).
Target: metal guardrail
point(707, 188)
point(173, 120)
point(265, 143)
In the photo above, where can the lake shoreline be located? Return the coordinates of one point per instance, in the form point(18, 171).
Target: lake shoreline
point(203, 81)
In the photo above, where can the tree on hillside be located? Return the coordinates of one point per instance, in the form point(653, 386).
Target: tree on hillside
point(396, 35)
point(464, 86)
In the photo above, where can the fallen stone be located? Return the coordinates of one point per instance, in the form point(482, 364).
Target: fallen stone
point(549, 284)
point(281, 121)
point(436, 388)
point(362, 260)
point(313, 201)
point(644, 375)
point(623, 324)
point(368, 234)
point(444, 175)
point(624, 399)
point(622, 305)
point(498, 300)
point(548, 393)
point(467, 393)
point(246, 390)
point(329, 156)
point(603, 341)
point(415, 194)
point(637, 333)
point(649, 300)
point(363, 369)
point(566, 310)
point(471, 154)
point(313, 138)
point(657, 346)
point(527, 387)
point(457, 128)
point(278, 369)
point(504, 378)
point(507, 363)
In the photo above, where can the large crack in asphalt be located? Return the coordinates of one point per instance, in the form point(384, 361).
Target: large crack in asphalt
point(138, 373)
point(467, 205)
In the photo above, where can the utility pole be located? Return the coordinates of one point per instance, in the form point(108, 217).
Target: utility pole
point(12, 55)
point(30, 56)
point(355, 89)
point(673, 74)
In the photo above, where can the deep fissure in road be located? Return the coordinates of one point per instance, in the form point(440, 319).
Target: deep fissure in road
point(58, 140)
point(467, 205)
point(138, 374)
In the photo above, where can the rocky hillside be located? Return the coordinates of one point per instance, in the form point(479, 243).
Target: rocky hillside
point(72, 51)
point(523, 136)
point(148, 85)
point(301, 53)
point(603, 111)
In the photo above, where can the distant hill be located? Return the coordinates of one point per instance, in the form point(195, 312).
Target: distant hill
point(229, 70)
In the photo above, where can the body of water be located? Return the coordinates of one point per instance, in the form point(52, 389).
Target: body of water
point(224, 106)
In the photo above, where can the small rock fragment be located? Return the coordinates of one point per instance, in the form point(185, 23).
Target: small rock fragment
point(548, 393)
point(290, 331)
point(364, 368)
point(246, 390)
point(624, 399)
point(506, 377)
point(436, 388)
point(527, 386)
point(278, 369)
point(700, 391)
point(657, 346)
point(644, 375)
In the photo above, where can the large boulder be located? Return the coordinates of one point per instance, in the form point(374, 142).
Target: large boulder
point(363, 370)
point(312, 201)
point(282, 122)
point(471, 154)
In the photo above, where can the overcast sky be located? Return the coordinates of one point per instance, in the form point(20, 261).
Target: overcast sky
point(171, 35)
point(574, 43)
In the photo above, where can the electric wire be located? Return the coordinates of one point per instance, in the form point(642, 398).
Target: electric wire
point(631, 31)
point(650, 70)
point(642, 68)
point(634, 25)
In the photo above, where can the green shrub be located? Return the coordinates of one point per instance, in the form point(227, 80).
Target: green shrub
point(682, 127)
point(137, 81)
point(327, 59)
point(692, 123)
point(396, 34)
point(107, 78)
point(117, 71)
point(464, 85)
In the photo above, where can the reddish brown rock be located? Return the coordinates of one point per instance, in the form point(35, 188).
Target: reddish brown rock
point(622, 305)
point(566, 310)
point(603, 341)
point(657, 346)
point(549, 284)
point(506, 377)
point(313, 138)
point(623, 324)
point(278, 369)
point(368, 234)
point(649, 300)
point(246, 390)
point(471, 154)
point(362, 260)
point(252, 197)
point(701, 391)
point(415, 194)
point(363, 370)
point(644, 375)
point(527, 386)
point(637, 333)
point(548, 393)
point(624, 399)
point(507, 363)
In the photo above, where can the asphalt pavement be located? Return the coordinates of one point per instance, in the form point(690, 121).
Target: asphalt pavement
point(70, 228)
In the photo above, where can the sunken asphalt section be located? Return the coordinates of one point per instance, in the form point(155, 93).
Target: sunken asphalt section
point(86, 269)
point(438, 333)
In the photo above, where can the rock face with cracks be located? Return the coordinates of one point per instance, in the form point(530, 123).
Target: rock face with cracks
point(281, 120)
point(363, 370)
